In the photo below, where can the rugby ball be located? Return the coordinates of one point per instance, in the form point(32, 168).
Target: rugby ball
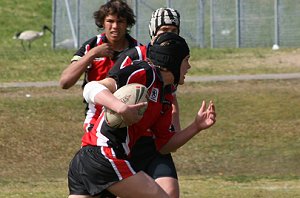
point(129, 94)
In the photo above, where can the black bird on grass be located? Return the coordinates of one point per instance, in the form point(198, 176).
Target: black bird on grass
point(30, 35)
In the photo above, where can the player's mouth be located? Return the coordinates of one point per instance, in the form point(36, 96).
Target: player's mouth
point(114, 34)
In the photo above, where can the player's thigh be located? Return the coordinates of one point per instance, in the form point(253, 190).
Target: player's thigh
point(170, 186)
point(163, 170)
point(138, 185)
point(162, 166)
point(80, 196)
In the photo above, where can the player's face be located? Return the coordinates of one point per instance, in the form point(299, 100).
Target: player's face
point(185, 66)
point(114, 28)
point(165, 28)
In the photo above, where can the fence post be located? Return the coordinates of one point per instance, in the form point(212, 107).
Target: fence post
point(54, 23)
point(200, 29)
point(135, 8)
point(238, 23)
point(71, 23)
point(212, 29)
point(168, 3)
point(78, 23)
point(276, 23)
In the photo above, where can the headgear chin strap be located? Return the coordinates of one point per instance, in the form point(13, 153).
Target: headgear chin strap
point(167, 51)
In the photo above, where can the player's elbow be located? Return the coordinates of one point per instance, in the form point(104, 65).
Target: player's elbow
point(64, 84)
point(166, 150)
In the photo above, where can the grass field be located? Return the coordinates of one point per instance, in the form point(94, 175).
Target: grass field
point(252, 151)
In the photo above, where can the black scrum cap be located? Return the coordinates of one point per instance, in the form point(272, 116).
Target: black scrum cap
point(168, 51)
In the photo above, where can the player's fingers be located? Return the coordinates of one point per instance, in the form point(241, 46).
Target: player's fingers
point(141, 104)
point(212, 115)
point(212, 106)
point(202, 108)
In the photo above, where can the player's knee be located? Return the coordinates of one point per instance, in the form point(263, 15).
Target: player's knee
point(153, 189)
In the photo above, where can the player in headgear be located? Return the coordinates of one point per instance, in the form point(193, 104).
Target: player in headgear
point(164, 17)
point(167, 51)
point(105, 162)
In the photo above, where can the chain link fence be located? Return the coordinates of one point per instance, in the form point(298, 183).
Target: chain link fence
point(204, 23)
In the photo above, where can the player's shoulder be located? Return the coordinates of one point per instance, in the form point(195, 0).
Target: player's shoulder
point(91, 42)
point(137, 68)
point(135, 65)
point(136, 53)
point(87, 45)
point(132, 41)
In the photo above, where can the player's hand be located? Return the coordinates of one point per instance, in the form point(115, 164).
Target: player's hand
point(206, 117)
point(132, 114)
point(104, 50)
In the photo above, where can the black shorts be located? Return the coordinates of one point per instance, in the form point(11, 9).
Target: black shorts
point(145, 157)
point(93, 169)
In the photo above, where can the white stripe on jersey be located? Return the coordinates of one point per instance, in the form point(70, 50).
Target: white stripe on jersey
point(137, 71)
point(112, 162)
point(114, 165)
point(90, 113)
point(130, 168)
point(153, 80)
point(126, 144)
point(138, 49)
point(101, 140)
point(99, 38)
point(124, 61)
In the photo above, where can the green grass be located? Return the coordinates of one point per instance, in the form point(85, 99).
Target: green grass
point(252, 151)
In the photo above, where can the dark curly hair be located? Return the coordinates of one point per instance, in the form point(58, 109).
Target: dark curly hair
point(114, 7)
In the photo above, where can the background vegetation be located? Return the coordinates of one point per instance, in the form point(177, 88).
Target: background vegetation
point(252, 151)
point(41, 63)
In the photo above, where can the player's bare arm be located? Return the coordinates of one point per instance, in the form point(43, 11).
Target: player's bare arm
point(205, 118)
point(101, 93)
point(73, 72)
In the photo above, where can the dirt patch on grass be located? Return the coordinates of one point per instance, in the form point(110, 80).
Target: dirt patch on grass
point(286, 58)
point(238, 86)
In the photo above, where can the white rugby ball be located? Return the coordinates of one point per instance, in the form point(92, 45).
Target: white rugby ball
point(129, 94)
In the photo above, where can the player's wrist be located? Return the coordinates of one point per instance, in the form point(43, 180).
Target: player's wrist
point(121, 108)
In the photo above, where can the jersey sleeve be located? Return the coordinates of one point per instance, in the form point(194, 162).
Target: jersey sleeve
point(89, 44)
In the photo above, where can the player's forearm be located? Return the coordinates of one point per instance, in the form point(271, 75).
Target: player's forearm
point(107, 99)
point(97, 93)
point(180, 138)
point(71, 75)
point(175, 115)
point(74, 71)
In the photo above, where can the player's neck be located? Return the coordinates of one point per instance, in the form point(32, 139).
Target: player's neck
point(167, 77)
point(119, 45)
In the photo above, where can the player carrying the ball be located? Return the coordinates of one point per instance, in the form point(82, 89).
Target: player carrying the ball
point(103, 162)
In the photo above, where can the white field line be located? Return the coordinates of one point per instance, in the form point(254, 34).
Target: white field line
point(188, 79)
point(269, 187)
